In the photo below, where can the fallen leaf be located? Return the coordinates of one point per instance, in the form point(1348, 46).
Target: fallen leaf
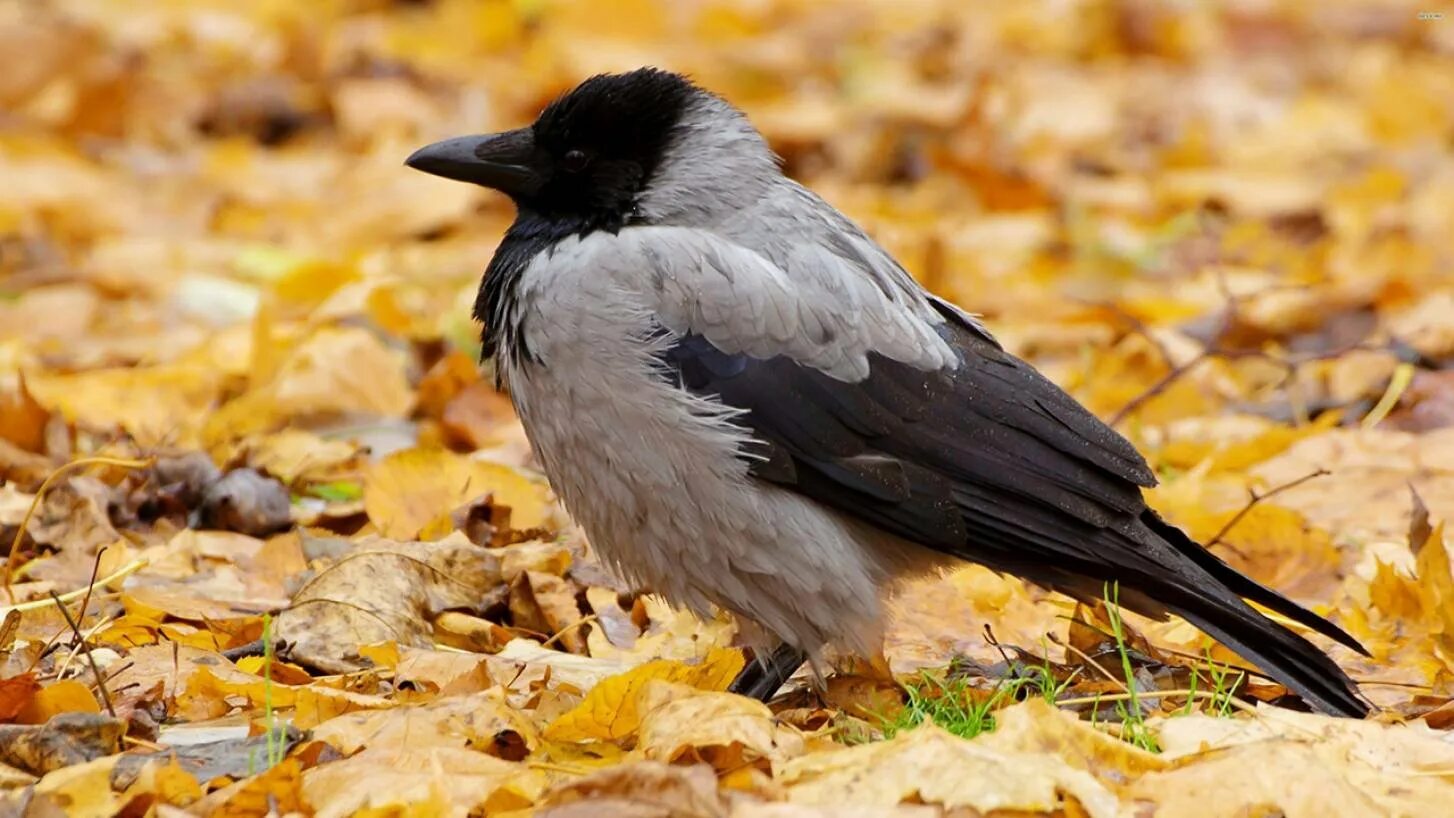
point(727, 731)
point(383, 591)
point(1299, 765)
point(205, 762)
point(643, 788)
point(277, 791)
point(482, 721)
point(248, 502)
point(445, 780)
point(67, 739)
point(82, 789)
point(610, 710)
point(16, 694)
point(931, 766)
point(546, 604)
point(64, 696)
point(406, 490)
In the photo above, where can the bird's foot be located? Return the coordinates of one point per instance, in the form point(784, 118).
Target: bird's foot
point(765, 674)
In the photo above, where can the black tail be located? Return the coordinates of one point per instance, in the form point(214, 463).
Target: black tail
point(1218, 608)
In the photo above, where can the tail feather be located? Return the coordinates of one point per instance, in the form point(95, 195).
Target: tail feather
point(1285, 656)
point(1246, 587)
point(1218, 607)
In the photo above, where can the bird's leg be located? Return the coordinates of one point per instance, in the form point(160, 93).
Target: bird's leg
point(764, 675)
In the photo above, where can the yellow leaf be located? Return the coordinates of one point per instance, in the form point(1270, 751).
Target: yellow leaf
point(167, 781)
point(312, 703)
point(65, 696)
point(1036, 726)
point(1393, 594)
point(278, 791)
point(335, 372)
point(1436, 588)
point(409, 489)
point(610, 710)
point(159, 403)
point(281, 672)
point(382, 654)
point(80, 790)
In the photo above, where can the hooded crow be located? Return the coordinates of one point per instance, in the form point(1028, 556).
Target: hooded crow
point(747, 403)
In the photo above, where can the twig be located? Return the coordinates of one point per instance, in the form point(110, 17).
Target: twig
point(253, 648)
point(1254, 498)
point(1138, 327)
point(96, 670)
point(76, 646)
point(71, 596)
point(585, 620)
point(141, 742)
point(1088, 660)
point(1157, 694)
point(1157, 388)
point(1214, 349)
point(91, 583)
point(1403, 375)
point(14, 555)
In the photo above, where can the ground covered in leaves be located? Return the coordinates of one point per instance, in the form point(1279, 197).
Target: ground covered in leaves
point(275, 546)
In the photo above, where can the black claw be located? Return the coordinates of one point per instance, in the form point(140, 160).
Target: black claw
point(764, 675)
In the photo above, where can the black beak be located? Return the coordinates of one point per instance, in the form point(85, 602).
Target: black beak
point(502, 161)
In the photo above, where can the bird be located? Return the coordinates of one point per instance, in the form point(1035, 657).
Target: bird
point(748, 404)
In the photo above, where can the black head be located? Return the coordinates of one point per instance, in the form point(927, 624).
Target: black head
point(586, 158)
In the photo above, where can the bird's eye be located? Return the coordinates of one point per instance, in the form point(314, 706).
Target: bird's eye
point(575, 161)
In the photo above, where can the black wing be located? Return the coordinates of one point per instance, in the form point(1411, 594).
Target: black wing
point(993, 463)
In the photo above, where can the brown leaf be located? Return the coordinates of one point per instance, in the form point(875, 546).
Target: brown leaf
point(931, 766)
point(645, 788)
point(474, 418)
point(70, 738)
point(246, 501)
point(441, 780)
point(729, 732)
point(482, 721)
point(546, 604)
point(383, 591)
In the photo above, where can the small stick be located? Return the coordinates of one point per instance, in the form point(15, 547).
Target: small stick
point(1157, 388)
point(76, 629)
point(585, 620)
point(14, 556)
point(1158, 694)
point(71, 596)
point(1093, 663)
point(91, 583)
point(1256, 498)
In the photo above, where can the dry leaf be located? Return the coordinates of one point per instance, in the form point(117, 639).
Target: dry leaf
point(932, 766)
point(443, 780)
point(644, 788)
point(481, 721)
point(67, 739)
point(727, 731)
point(407, 490)
point(611, 711)
point(64, 696)
point(383, 591)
